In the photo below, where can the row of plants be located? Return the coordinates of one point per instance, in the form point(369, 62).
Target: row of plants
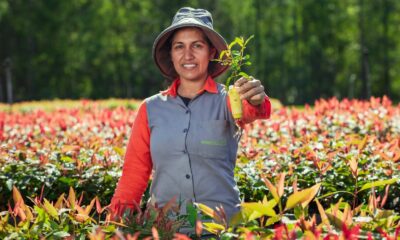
point(79, 145)
point(327, 171)
point(344, 145)
point(67, 218)
point(52, 105)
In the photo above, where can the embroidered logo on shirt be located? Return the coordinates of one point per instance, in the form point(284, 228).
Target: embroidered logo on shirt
point(214, 143)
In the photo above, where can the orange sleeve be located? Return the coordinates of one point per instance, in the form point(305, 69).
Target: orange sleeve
point(137, 166)
point(251, 113)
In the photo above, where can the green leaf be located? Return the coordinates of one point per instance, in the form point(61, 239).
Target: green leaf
point(243, 74)
point(25, 225)
point(13, 236)
point(254, 215)
point(302, 197)
point(61, 234)
point(41, 215)
point(335, 219)
point(298, 211)
point(236, 219)
point(273, 220)
point(324, 217)
point(228, 81)
point(9, 184)
point(248, 40)
point(71, 197)
point(240, 41)
point(50, 209)
point(233, 43)
point(214, 228)
point(263, 209)
point(208, 211)
point(192, 214)
point(69, 181)
point(221, 55)
point(383, 214)
point(119, 151)
point(67, 159)
point(295, 198)
point(378, 183)
point(236, 53)
point(333, 193)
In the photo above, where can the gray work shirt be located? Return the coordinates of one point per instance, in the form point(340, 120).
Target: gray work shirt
point(193, 150)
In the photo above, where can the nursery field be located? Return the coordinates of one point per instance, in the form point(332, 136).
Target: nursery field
point(327, 171)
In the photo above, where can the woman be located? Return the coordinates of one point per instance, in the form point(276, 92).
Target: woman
point(186, 134)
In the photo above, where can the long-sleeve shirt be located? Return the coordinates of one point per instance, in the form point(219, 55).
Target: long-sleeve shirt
point(191, 149)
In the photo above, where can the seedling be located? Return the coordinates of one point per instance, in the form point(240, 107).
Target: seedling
point(235, 58)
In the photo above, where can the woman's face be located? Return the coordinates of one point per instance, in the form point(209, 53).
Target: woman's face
point(190, 54)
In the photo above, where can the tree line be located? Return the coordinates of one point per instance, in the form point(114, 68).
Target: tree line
point(302, 49)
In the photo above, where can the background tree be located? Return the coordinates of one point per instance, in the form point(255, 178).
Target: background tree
point(302, 50)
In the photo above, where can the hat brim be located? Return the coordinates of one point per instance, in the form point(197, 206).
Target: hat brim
point(161, 54)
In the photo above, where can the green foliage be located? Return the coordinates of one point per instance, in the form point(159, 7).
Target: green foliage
point(337, 160)
point(57, 176)
point(303, 50)
point(235, 59)
point(68, 217)
point(53, 155)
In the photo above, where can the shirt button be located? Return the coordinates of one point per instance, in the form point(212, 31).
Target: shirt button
point(187, 111)
point(184, 151)
point(187, 176)
point(185, 130)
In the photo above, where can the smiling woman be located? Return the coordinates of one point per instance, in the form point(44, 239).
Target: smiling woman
point(186, 135)
point(191, 53)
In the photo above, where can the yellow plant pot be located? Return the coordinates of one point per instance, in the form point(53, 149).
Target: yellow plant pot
point(236, 102)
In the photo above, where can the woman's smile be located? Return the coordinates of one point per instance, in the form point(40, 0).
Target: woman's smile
point(189, 66)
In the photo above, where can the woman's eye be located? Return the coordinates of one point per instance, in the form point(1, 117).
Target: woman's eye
point(177, 47)
point(197, 46)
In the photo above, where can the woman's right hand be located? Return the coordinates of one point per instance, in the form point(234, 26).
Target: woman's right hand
point(251, 89)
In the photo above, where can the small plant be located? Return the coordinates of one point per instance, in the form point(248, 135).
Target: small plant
point(235, 58)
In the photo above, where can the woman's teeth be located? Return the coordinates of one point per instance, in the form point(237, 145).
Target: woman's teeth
point(189, 65)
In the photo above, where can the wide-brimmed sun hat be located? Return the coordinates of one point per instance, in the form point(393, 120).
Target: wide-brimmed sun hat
point(188, 17)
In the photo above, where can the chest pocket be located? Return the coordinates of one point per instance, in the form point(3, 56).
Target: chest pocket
point(210, 138)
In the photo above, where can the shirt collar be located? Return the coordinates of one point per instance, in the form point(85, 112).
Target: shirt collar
point(210, 86)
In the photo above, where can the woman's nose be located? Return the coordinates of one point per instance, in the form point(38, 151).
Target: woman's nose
point(188, 54)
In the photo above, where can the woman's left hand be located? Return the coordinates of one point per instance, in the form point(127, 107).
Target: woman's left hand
point(250, 89)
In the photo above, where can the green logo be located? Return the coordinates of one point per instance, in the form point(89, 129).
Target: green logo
point(214, 143)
